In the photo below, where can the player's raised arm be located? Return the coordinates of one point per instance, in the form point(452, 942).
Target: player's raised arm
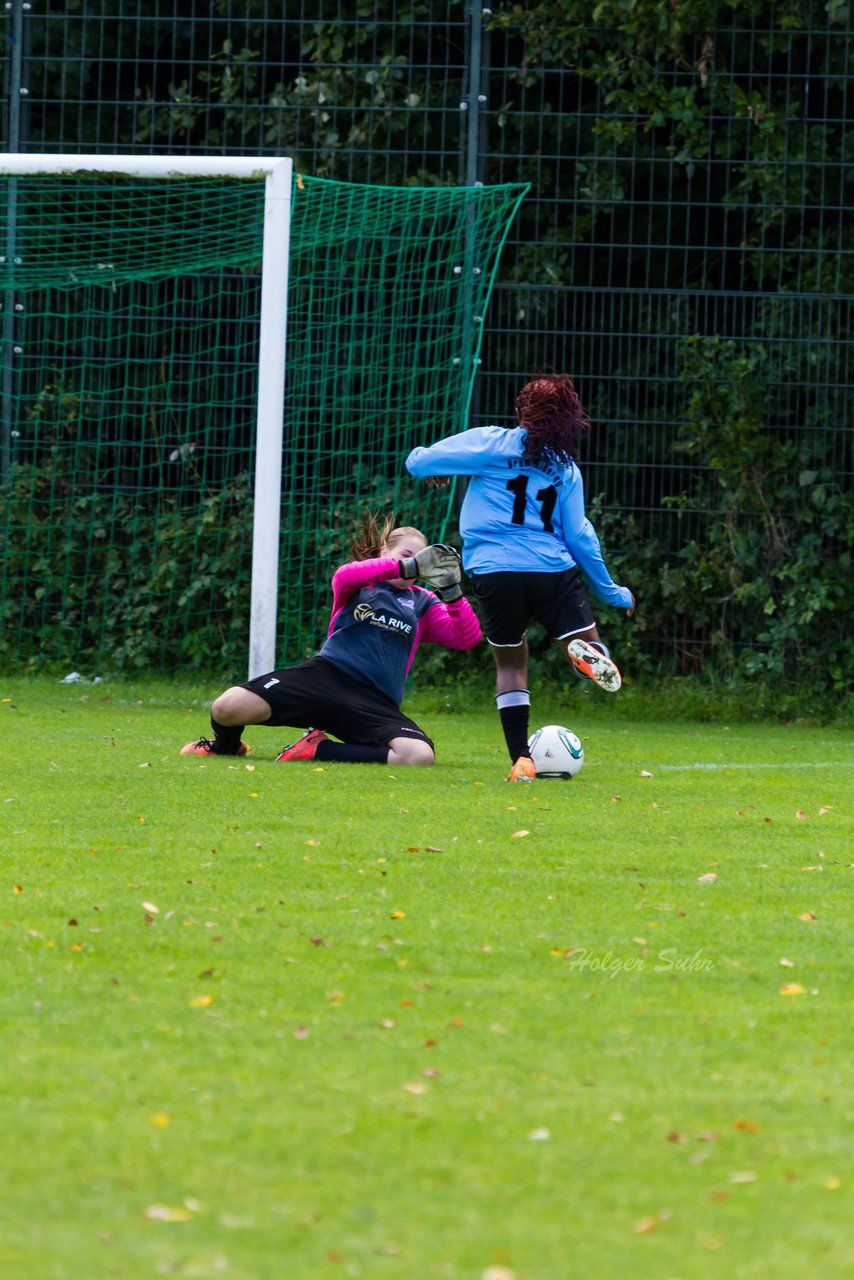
point(583, 544)
point(465, 454)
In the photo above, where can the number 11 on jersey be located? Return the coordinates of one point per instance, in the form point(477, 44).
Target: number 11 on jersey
point(546, 498)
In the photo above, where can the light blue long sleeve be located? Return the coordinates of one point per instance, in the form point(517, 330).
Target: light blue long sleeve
point(515, 516)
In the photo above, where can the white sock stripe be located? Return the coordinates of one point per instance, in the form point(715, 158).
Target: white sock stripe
point(513, 698)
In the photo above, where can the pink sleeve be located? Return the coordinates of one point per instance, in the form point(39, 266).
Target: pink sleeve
point(347, 580)
point(454, 625)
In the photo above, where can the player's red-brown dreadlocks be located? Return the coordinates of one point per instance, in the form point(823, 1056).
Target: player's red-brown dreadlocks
point(549, 409)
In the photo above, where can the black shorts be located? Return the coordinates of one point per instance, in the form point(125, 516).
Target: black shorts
point(508, 601)
point(318, 695)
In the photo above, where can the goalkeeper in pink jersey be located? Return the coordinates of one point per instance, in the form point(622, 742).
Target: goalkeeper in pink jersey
point(354, 686)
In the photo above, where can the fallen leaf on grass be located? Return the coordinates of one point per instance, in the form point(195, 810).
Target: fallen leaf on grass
point(747, 1126)
point(201, 1002)
point(801, 815)
point(792, 989)
point(786, 964)
point(165, 1213)
point(519, 835)
point(644, 773)
point(708, 878)
point(807, 917)
point(415, 1086)
point(432, 848)
point(398, 915)
point(644, 1225)
point(743, 1175)
point(539, 1135)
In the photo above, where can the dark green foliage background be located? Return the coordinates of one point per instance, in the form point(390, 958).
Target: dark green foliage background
point(685, 252)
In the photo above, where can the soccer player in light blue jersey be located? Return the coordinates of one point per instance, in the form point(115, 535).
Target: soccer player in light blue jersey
point(528, 546)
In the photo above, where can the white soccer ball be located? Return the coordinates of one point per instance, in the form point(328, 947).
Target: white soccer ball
point(556, 752)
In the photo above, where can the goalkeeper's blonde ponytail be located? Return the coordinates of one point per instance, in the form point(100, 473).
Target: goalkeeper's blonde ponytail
point(376, 532)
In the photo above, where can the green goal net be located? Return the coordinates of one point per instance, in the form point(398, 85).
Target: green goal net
point(130, 349)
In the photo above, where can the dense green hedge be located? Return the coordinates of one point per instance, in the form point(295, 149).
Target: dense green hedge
point(721, 125)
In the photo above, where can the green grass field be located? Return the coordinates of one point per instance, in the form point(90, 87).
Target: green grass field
point(267, 1021)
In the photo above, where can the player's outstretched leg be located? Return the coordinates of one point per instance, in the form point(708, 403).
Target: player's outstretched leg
point(594, 662)
point(231, 712)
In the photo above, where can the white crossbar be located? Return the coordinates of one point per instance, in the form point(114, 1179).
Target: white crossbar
point(20, 164)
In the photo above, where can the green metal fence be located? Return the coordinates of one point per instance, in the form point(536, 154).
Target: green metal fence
point(686, 251)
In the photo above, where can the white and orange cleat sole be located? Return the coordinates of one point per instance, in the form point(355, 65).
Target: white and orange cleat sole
point(594, 665)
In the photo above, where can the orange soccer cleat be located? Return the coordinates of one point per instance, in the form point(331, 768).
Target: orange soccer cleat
point(523, 770)
point(305, 748)
point(593, 664)
point(204, 747)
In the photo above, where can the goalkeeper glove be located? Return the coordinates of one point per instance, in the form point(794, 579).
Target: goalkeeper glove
point(450, 593)
point(438, 565)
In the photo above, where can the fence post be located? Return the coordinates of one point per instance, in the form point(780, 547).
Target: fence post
point(474, 96)
point(474, 99)
point(17, 91)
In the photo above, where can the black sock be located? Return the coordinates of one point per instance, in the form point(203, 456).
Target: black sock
point(351, 753)
point(514, 709)
point(226, 738)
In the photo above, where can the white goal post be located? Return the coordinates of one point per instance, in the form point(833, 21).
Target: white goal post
point(277, 172)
